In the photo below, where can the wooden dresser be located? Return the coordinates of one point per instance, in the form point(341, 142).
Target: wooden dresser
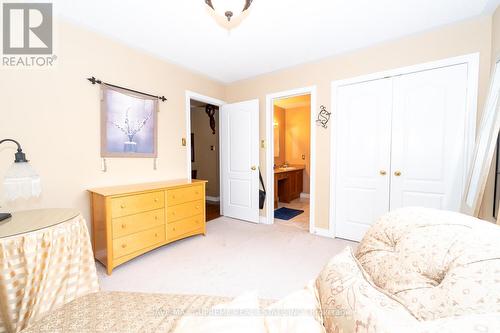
point(130, 220)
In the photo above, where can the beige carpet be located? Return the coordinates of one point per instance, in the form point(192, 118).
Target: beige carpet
point(233, 258)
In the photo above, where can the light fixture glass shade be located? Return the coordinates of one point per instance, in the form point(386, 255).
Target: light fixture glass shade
point(234, 6)
point(21, 181)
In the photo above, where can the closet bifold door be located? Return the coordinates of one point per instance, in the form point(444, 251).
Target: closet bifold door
point(362, 167)
point(428, 138)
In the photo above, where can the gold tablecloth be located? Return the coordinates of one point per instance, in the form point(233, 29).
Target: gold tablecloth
point(43, 270)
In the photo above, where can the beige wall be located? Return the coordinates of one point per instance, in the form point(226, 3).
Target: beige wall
point(280, 118)
point(206, 160)
point(454, 40)
point(297, 140)
point(55, 115)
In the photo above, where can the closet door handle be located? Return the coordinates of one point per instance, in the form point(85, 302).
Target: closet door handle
point(383, 172)
point(397, 173)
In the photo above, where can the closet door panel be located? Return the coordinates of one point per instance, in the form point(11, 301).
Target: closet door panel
point(428, 138)
point(362, 153)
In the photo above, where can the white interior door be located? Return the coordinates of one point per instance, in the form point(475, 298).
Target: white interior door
point(363, 139)
point(429, 138)
point(240, 160)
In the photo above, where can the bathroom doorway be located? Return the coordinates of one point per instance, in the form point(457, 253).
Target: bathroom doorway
point(290, 174)
point(204, 148)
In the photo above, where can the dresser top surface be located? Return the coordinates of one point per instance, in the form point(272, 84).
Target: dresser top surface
point(134, 188)
point(32, 220)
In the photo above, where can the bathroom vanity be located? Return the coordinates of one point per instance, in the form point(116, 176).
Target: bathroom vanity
point(288, 184)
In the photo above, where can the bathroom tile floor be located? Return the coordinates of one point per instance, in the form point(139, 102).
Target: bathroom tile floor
point(301, 221)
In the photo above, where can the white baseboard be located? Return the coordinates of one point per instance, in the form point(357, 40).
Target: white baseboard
point(322, 232)
point(213, 199)
point(304, 195)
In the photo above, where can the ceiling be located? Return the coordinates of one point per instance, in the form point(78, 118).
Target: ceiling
point(293, 102)
point(276, 33)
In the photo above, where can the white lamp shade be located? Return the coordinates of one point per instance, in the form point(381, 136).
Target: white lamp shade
point(223, 6)
point(21, 181)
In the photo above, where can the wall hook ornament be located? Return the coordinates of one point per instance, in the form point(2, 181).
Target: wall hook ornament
point(323, 117)
point(210, 110)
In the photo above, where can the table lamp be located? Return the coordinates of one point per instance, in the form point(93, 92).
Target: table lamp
point(21, 180)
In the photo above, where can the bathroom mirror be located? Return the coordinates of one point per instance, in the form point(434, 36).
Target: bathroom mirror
point(276, 140)
point(485, 148)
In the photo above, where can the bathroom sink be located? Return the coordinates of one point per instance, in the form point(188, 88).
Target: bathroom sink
point(282, 169)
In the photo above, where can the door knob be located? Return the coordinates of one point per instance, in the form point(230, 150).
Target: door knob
point(397, 173)
point(383, 172)
point(254, 167)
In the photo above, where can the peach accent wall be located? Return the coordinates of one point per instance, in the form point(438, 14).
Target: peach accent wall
point(280, 118)
point(54, 113)
point(454, 40)
point(297, 140)
point(206, 160)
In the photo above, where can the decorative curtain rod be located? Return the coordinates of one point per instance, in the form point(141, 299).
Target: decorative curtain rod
point(93, 80)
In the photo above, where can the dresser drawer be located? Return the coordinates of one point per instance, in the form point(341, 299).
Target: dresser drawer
point(182, 195)
point(188, 209)
point(138, 203)
point(135, 242)
point(131, 224)
point(179, 228)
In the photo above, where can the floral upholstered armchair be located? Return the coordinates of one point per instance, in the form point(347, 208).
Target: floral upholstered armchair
point(416, 270)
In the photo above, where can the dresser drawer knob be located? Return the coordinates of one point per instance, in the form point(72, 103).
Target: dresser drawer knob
point(122, 205)
point(124, 246)
point(156, 199)
point(156, 234)
point(156, 217)
point(173, 196)
point(173, 229)
point(124, 226)
point(196, 192)
point(173, 213)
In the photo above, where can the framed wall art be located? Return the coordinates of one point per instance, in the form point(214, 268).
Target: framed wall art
point(129, 123)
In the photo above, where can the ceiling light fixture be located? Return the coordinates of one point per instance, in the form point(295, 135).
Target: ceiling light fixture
point(230, 9)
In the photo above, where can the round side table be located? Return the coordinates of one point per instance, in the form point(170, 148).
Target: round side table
point(46, 261)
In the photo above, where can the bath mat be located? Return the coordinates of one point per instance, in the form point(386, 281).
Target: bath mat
point(284, 213)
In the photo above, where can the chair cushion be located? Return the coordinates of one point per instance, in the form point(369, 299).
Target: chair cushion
point(437, 263)
point(350, 302)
